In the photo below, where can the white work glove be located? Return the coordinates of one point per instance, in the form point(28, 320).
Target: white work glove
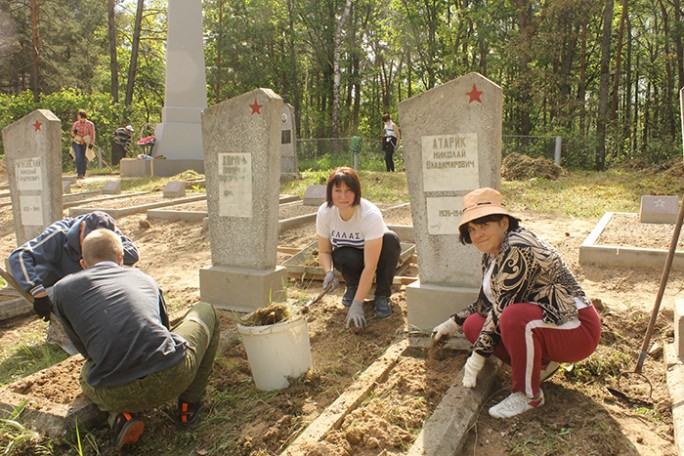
point(471, 369)
point(448, 328)
point(355, 315)
point(330, 281)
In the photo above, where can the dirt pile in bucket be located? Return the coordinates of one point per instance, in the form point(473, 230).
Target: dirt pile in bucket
point(520, 167)
point(270, 315)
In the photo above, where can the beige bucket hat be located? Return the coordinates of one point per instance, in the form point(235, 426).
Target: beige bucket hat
point(482, 202)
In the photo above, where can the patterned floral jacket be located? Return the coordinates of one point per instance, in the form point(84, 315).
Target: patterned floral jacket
point(527, 269)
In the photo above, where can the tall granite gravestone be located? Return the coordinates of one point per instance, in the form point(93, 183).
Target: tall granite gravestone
point(242, 148)
point(179, 136)
point(288, 162)
point(34, 166)
point(452, 145)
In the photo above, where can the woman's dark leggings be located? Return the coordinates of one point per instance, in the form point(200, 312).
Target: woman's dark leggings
point(349, 261)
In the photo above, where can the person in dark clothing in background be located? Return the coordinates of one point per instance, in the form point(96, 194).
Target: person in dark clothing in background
point(121, 142)
point(390, 140)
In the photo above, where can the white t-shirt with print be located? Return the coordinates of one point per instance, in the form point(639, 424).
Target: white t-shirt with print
point(365, 225)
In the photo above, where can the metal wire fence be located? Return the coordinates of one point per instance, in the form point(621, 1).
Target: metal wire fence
point(328, 153)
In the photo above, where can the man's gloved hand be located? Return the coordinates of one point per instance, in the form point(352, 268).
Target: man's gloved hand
point(448, 328)
point(90, 146)
point(330, 281)
point(355, 315)
point(43, 307)
point(471, 369)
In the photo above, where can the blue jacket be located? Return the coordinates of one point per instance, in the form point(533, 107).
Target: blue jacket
point(56, 252)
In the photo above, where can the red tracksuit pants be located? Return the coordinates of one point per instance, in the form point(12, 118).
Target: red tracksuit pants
point(528, 343)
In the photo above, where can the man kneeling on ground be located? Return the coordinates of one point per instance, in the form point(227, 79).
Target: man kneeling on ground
point(117, 319)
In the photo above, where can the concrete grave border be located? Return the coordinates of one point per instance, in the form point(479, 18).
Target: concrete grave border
point(444, 431)
point(74, 211)
point(611, 255)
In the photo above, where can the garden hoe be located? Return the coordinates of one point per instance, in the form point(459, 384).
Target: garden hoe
point(661, 291)
point(656, 306)
point(305, 307)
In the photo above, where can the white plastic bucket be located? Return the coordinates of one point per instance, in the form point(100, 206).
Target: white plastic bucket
point(276, 352)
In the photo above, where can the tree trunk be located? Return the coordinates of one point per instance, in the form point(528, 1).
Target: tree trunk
point(604, 88)
point(336, 70)
point(679, 45)
point(135, 45)
point(35, 54)
point(618, 62)
point(219, 46)
point(113, 64)
point(627, 120)
point(670, 123)
point(582, 83)
point(297, 104)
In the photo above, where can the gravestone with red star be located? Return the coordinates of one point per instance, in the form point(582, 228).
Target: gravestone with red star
point(242, 150)
point(452, 145)
point(33, 157)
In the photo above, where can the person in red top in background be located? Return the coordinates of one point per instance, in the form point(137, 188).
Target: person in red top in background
point(83, 132)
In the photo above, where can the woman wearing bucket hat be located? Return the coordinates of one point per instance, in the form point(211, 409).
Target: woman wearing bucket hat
point(531, 312)
point(354, 239)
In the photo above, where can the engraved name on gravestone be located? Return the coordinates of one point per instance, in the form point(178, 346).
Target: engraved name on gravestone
point(30, 185)
point(235, 185)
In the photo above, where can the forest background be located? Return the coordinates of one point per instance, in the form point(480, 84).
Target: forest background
point(604, 75)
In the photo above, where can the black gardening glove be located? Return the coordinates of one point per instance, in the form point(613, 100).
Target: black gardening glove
point(43, 307)
point(90, 146)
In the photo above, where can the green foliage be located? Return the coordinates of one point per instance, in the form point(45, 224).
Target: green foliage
point(544, 57)
point(27, 358)
point(17, 439)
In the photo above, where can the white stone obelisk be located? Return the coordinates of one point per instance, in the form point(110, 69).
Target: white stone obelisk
point(179, 136)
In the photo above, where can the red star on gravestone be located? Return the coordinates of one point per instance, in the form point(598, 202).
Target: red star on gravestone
point(474, 95)
point(256, 107)
point(37, 126)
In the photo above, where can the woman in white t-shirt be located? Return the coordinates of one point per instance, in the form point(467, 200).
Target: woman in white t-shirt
point(353, 238)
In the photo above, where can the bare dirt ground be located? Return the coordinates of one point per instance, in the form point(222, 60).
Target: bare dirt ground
point(581, 415)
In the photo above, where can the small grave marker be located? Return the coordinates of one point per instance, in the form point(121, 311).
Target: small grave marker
point(658, 209)
point(174, 189)
point(314, 195)
point(112, 188)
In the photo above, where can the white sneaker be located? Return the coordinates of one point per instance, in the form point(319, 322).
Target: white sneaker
point(515, 404)
point(547, 372)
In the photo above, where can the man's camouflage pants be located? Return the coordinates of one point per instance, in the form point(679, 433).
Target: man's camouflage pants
point(187, 380)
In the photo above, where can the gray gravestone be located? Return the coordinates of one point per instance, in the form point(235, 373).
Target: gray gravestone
point(34, 166)
point(288, 162)
point(174, 189)
point(452, 145)
point(658, 209)
point(314, 195)
point(242, 148)
point(179, 136)
point(111, 188)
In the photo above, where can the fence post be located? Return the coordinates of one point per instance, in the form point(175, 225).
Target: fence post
point(557, 151)
point(355, 146)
